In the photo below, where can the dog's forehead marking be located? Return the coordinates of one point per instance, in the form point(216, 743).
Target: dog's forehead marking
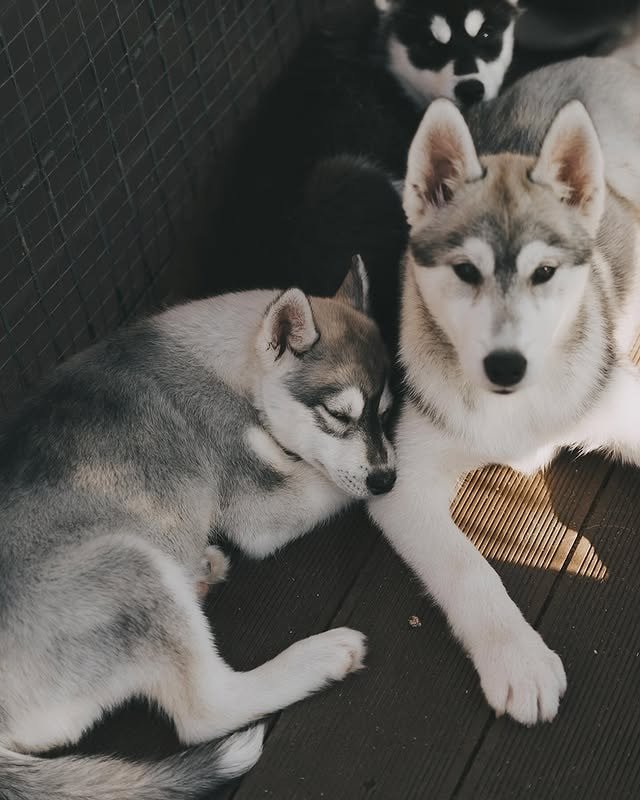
point(440, 29)
point(534, 253)
point(349, 401)
point(473, 22)
point(480, 253)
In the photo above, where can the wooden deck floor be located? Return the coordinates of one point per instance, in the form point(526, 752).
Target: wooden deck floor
point(414, 724)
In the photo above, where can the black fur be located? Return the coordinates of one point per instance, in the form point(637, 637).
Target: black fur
point(288, 219)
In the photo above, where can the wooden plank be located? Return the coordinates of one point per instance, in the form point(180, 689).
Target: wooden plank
point(408, 726)
point(593, 748)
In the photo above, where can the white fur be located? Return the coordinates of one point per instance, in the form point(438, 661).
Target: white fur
point(473, 22)
point(238, 753)
point(537, 253)
point(349, 401)
point(529, 319)
point(268, 450)
point(491, 73)
point(209, 329)
point(440, 29)
point(518, 673)
point(479, 253)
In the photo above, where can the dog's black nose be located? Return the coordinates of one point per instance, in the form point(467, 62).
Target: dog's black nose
point(381, 481)
point(469, 92)
point(505, 367)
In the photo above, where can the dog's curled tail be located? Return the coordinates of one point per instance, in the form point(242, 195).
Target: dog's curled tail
point(185, 776)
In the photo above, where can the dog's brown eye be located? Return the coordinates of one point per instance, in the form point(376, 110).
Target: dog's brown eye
point(542, 274)
point(468, 273)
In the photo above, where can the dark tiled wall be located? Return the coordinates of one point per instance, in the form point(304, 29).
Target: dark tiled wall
point(111, 114)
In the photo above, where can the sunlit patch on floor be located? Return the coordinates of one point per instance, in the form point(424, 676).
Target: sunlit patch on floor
point(533, 521)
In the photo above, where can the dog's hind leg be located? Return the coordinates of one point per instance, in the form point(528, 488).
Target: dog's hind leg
point(206, 698)
point(121, 619)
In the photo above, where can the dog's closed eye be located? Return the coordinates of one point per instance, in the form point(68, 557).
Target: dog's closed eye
point(340, 416)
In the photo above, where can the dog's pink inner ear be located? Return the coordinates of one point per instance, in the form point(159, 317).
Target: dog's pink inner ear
point(291, 324)
point(449, 160)
point(574, 171)
point(444, 168)
point(441, 157)
point(281, 331)
point(571, 163)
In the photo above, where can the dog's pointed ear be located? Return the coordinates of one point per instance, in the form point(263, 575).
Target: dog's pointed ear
point(288, 324)
point(354, 289)
point(442, 156)
point(571, 163)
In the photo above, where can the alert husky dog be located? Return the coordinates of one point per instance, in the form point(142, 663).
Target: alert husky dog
point(256, 414)
point(520, 294)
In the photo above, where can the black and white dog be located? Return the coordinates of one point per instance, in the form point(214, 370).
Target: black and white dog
point(460, 49)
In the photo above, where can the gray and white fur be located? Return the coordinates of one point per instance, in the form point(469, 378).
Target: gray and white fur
point(257, 415)
point(521, 299)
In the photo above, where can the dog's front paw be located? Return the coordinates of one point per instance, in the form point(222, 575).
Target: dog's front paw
point(521, 676)
point(335, 653)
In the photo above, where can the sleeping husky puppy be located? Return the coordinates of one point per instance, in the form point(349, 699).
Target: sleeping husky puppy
point(258, 415)
point(521, 293)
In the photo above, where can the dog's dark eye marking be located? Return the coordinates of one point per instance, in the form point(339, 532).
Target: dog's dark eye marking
point(542, 274)
point(468, 273)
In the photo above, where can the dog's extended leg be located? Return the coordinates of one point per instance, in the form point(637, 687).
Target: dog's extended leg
point(126, 622)
point(614, 425)
point(207, 698)
point(519, 674)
